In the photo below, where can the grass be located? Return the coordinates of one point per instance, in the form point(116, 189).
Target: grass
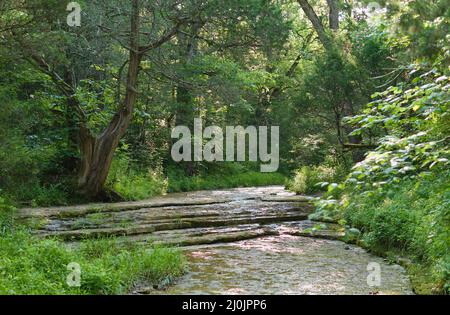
point(29, 265)
point(36, 194)
point(209, 182)
point(411, 219)
point(135, 184)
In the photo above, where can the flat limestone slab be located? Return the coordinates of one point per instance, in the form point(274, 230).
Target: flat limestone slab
point(285, 264)
point(73, 211)
point(172, 199)
point(137, 227)
point(288, 199)
point(181, 219)
point(308, 228)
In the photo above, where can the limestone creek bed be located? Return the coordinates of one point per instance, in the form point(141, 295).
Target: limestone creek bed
point(286, 264)
point(254, 240)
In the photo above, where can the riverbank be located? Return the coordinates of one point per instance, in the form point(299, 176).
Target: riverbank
point(32, 265)
point(267, 223)
point(407, 222)
point(410, 221)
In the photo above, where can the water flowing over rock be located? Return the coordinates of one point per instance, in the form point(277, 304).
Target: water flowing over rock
point(238, 241)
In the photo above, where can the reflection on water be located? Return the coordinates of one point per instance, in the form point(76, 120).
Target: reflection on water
point(286, 265)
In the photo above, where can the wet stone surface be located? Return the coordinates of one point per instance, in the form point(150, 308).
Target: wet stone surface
point(237, 241)
point(286, 265)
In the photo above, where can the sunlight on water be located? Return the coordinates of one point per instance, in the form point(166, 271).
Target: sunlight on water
point(286, 265)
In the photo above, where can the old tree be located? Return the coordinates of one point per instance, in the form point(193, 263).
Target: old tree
point(144, 27)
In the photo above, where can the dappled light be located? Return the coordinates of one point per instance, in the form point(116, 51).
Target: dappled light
point(233, 147)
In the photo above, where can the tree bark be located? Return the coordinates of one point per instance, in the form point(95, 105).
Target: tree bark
point(97, 151)
point(333, 8)
point(315, 21)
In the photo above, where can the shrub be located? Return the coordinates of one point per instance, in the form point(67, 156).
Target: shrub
point(312, 179)
point(6, 217)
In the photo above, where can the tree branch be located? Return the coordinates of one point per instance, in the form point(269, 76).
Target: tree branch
point(359, 146)
point(165, 38)
point(333, 7)
point(315, 21)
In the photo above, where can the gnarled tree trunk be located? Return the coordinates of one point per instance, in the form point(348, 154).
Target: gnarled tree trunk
point(96, 158)
point(97, 151)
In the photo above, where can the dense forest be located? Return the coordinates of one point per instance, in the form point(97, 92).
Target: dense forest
point(90, 92)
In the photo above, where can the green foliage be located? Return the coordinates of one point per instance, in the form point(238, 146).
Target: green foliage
point(332, 85)
point(34, 154)
point(98, 99)
point(412, 219)
point(398, 196)
point(6, 217)
point(251, 62)
point(133, 183)
point(415, 118)
point(45, 195)
point(228, 176)
point(410, 121)
point(424, 25)
point(312, 179)
point(29, 265)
